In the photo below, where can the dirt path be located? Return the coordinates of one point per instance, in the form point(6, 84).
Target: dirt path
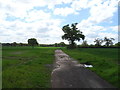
point(68, 73)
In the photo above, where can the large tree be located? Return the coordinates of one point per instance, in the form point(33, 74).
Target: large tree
point(98, 42)
point(72, 34)
point(32, 42)
point(108, 41)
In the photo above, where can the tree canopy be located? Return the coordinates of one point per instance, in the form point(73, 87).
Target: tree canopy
point(108, 41)
point(72, 34)
point(32, 42)
point(98, 42)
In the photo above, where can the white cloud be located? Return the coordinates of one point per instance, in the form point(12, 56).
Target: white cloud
point(64, 11)
point(19, 8)
point(80, 4)
point(30, 22)
point(102, 12)
point(37, 15)
point(115, 28)
point(109, 35)
point(92, 31)
point(52, 3)
point(21, 31)
point(43, 26)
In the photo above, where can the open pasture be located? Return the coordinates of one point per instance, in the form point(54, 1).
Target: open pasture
point(26, 67)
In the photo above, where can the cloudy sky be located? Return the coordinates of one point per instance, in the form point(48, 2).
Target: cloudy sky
point(43, 19)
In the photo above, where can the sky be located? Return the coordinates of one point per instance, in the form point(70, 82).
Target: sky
point(21, 20)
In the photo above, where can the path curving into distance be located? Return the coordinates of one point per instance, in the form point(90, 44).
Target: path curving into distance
point(68, 73)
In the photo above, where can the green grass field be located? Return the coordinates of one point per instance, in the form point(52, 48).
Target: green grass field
point(104, 61)
point(25, 67)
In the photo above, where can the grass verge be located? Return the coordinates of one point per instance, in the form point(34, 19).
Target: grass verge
point(104, 61)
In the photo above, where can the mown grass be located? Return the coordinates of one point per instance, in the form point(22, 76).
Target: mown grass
point(104, 61)
point(26, 67)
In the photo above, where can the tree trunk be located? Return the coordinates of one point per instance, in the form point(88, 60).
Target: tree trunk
point(72, 44)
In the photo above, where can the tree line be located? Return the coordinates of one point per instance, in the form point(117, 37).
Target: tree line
point(62, 44)
point(98, 42)
point(15, 44)
point(72, 34)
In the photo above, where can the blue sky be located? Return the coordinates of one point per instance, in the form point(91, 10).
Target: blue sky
point(43, 19)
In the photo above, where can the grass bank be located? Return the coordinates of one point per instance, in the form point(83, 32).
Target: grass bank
point(104, 61)
point(25, 67)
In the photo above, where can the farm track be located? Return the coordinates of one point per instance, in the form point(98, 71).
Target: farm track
point(68, 73)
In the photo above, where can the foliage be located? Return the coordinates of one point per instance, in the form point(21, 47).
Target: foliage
point(85, 43)
point(117, 44)
point(108, 41)
point(98, 42)
point(32, 42)
point(14, 44)
point(61, 44)
point(72, 34)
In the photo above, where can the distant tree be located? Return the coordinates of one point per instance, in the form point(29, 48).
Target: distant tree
point(32, 42)
point(14, 44)
point(72, 34)
point(85, 43)
point(62, 44)
point(21, 44)
point(108, 41)
point(98, 42)
point(117, 44)
point(91, 45)
point(0, 45)
point(56, 45)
